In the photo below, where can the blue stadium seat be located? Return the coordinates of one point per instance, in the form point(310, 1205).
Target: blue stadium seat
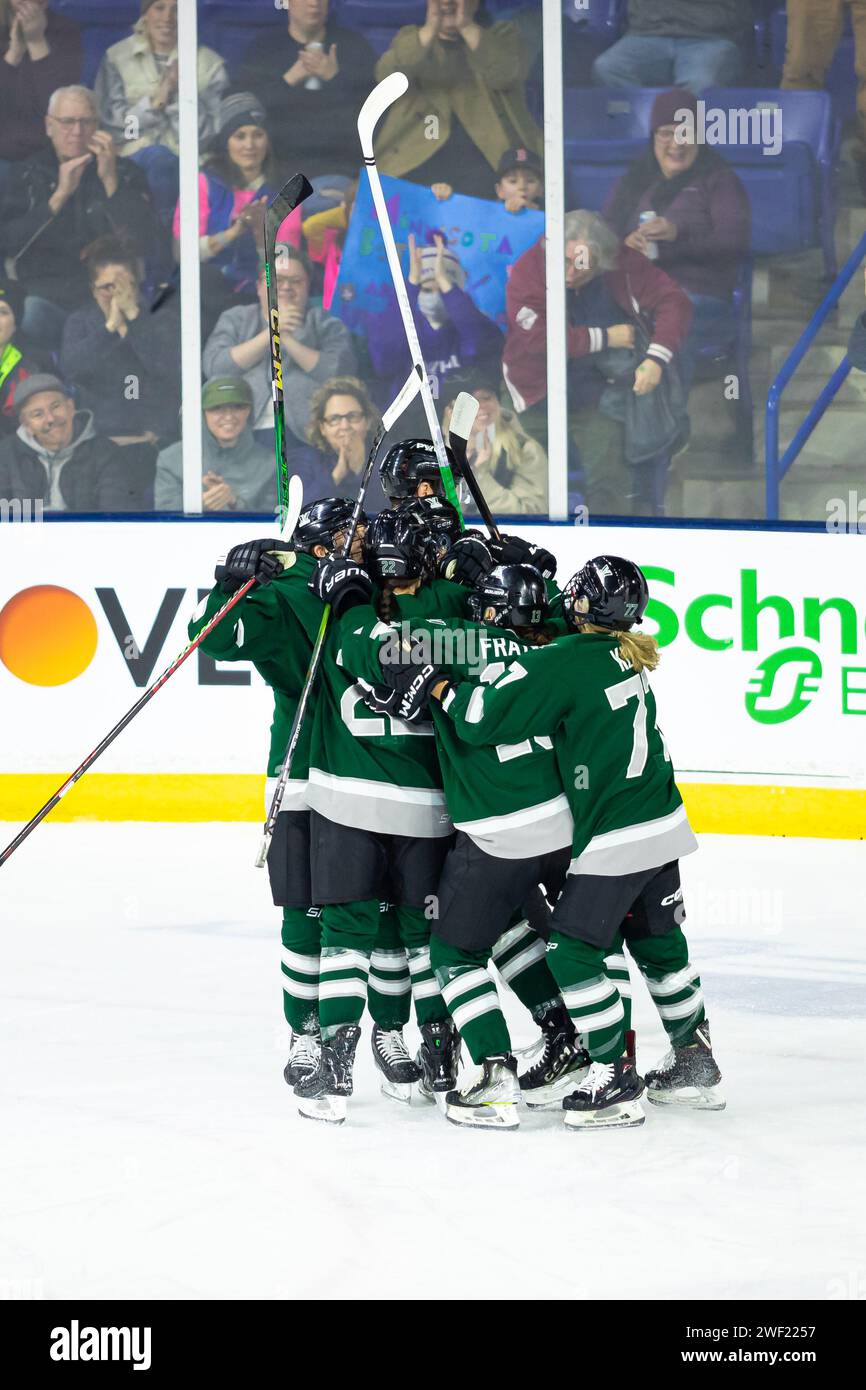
point(841, 80)
point(103, 22)
point(231, 26)
point(793, 194)
point(605, 129)
point(379, 20)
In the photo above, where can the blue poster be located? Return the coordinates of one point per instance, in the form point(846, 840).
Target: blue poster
point(485, 238)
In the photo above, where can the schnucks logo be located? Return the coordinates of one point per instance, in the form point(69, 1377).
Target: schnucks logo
point(772, 701)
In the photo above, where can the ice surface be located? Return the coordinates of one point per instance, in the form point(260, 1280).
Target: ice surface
point(150, 1147)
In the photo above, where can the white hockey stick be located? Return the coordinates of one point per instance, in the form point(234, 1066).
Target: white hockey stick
point(294, 507)
point(384, 95)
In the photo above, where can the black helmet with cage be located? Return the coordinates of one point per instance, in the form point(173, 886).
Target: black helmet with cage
point(324, 522)
point(609, 592)
point(402, 545)
point(513, 596)
point(410, 463)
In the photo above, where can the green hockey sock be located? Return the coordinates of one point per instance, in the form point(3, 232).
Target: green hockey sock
point(591, 997)
point(415, 933)
point(389, 995)
point(348, 937)
point(471, 998)
point(520, 956)
point(673, 982)
point(616, 969)
point(301, 935)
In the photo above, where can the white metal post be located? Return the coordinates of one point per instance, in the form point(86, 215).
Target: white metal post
point(190, 290)
point(554, 206)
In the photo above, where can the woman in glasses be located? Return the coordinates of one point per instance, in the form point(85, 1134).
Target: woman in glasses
point(343, 420)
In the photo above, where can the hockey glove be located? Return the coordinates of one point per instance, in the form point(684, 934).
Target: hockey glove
point(341, 583)
point(406, 694)
point(260, 560)
point(468, 560)
point(513, 550)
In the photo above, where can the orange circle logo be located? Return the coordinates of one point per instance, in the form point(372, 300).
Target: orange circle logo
point(48, 635)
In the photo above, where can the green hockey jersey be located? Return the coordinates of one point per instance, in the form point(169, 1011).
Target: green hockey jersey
point(274, 627)
point(507, 798)
point(612, 758)
point(368, 769)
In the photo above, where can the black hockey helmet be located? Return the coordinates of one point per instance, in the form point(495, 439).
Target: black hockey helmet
point(510, 596)
point(608, 591)
point(411, 462)
point(400, 545)
point(322, 521)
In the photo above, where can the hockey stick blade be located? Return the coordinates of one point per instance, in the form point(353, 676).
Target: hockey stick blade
point(404, 398)
point(389, 90)
point(462, 419)
point(294, 508)
point(290, 196)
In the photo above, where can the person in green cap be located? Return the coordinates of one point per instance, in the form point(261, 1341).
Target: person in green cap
point(237, 474)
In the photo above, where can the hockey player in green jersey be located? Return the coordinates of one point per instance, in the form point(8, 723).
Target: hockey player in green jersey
point(590, 693)
point(514, 831)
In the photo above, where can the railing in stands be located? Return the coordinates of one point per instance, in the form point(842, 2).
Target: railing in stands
point(776, 467)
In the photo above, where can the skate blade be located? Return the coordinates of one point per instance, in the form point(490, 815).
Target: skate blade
point(329, 1109)
point(427, 1096)
point(499, 1115)
point(625, 1116)
point(396, 1090)
point(690, 1097)
point(554, 1094)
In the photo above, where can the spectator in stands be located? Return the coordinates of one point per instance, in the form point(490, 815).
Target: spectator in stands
point(453, 333)
point(343, 420)
point(701, 231)
point(58, 457)
point(324, 230)
point(16, 364)
point(857, 343)
point(814, 32)
point(41, 52)
point(678, 43)
point(510, 466)
point(63, 198)
point(519, 181)
point(313, 345)
point(136, 89)
point(313, 80)
point(235, 187)
point(603, 281)
point(465, 105)
point(237, 474)
point(123, 358)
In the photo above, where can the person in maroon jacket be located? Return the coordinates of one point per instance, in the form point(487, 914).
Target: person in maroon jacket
point(699, 221)
point(607, 286)
point(41, 51)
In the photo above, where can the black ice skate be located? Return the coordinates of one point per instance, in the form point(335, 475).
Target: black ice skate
point(323, 1094)
point(398, 1071)
point(303, 1057)
point(490, 1103)
point(608, 1097)
point(561, 1063)
point(688, 1075)
point(438, 1057)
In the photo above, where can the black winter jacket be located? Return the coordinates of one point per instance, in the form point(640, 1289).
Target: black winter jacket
point(96, 479)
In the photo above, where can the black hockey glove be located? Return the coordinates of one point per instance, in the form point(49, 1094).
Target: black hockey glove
point(260, 560)
point(513, 550)
point(341, 583)
point(468, 560)
point(406, 694)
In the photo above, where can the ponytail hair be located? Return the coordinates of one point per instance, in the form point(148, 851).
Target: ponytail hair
point(385, 602)
point(637, 648)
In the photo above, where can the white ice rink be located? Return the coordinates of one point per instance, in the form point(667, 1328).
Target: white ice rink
point(150, 1147)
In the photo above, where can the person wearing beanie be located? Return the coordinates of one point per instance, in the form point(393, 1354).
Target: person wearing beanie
point(237, 474)
point(684, 43)
point(234, 189)
point(136, 88)
point(56, 456)
point(700, 228)
point(313, 76)
point(16, 363)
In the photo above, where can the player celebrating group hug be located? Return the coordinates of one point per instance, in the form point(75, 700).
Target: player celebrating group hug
point(479, 776)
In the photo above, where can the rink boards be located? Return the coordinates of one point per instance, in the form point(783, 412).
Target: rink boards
point(761, 690)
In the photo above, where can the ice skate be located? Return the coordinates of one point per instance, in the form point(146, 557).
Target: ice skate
point(491, 1103)
point(688, 1076)
point(438, 1058)
point(303, 1057)
point(323, 1094)
point(397, 1070)
point(608, 1097)
point(560, 1064)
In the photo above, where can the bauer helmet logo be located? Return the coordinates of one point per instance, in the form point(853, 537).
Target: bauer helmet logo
point(762, 686)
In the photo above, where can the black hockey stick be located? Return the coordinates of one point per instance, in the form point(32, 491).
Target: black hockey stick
point(463, 414)
point(406, 395)
point(290, 196)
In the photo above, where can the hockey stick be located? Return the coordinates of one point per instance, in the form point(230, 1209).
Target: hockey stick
point(462, 419)
point(406, 395)
point(291, 195)
point(384, 95)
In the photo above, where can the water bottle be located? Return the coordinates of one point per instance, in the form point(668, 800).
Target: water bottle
point(313, 84)
point(652, 251)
